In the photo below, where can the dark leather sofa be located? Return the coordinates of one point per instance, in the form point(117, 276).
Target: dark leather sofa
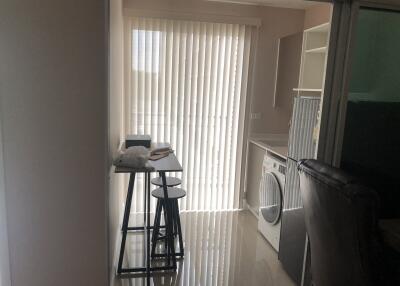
point(341, 222)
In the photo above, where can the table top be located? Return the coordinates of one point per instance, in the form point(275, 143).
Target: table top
point(166, 164)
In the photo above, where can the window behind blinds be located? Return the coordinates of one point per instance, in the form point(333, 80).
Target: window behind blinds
point(186, 84)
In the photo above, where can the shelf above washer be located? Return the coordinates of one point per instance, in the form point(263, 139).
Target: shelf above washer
point(308, 89)
point(320, 50)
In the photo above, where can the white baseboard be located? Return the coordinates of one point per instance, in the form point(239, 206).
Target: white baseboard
point(250, 208)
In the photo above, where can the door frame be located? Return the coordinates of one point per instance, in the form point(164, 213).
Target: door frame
point(5, 274)
point(334, 105)
point(337, 65)
point(334, 100)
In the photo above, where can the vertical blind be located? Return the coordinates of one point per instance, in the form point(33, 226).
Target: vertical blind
point(186, 83)
point(301, 145)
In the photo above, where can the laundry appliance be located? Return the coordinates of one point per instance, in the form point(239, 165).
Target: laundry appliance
point(271, 197)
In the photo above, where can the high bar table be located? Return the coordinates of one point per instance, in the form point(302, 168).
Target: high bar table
point(162, 166)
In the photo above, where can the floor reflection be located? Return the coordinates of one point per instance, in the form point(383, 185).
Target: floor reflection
point(221, 248)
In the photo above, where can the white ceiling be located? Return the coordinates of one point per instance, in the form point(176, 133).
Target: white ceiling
point(295, 4)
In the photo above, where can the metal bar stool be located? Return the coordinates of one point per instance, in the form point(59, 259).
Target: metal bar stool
point(172, 199)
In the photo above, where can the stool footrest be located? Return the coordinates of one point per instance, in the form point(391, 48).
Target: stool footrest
point(140, 228)
point(163, 255)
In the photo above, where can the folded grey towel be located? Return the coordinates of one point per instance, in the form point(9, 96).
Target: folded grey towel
point(133, 157)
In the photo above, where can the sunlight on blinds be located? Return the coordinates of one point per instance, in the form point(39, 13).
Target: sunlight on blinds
point(184, 85)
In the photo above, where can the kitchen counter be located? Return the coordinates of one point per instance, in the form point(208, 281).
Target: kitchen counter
point(278, 146)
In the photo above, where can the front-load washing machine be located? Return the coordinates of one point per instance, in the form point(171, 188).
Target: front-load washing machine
point(271, 197)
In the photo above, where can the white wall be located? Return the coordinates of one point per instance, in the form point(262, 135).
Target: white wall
point(53, 87)
point(115, 128)
point(116, 75)
point(317, 15)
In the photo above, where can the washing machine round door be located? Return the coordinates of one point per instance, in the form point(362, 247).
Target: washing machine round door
point(270, 198)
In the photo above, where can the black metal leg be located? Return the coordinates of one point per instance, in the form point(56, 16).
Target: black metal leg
point(148, 227)
point(178, 222)
point(165, 238)
point(171, 234)
point(169, 223)
point(147, 177)
point(156, 228)
point(145, 199)
point(170, 229)
point(125, 221)
point(174, 214)
point(144, 220)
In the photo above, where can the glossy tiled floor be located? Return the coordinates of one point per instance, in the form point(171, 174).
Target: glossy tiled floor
point(221, 248)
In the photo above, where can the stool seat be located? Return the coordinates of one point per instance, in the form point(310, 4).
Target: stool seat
point(171, 181)
point(173, 193)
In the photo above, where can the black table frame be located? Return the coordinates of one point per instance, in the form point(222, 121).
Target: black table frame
point(168, 164)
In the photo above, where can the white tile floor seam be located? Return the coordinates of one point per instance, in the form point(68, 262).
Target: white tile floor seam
point(222, 248)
